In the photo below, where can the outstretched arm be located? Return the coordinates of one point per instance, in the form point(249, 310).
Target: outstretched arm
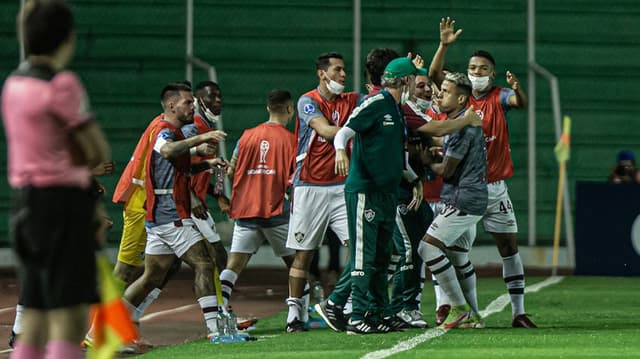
point(441, 128)
point(448, 35)
point(519, 99)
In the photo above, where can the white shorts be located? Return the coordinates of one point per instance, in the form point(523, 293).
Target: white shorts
point(248, 240)
point(169, 239)
point(469, 235)
point(315, 208)
point(207, 228)
point(452, 229)
point(500, 216)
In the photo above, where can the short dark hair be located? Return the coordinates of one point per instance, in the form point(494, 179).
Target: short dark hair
point(323, 61)
point(204, 84)
point(172, 90)
point(377, 60)
point(44, 26)
point(486, 55)
point(278, 100)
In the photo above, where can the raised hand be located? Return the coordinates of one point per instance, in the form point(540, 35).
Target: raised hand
point(513, 81)
point(448, 35)
point(418, 62)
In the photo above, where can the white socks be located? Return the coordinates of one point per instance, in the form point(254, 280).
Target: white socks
point(441, 267)
point(513, 274)
point(228, 280)
point(209, 305)
point(466, 274)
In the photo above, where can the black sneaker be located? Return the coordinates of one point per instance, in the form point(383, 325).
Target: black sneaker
point(12, 339)
point(394, 324)
point(332, 314)
point(361, 327)
point(295, 326)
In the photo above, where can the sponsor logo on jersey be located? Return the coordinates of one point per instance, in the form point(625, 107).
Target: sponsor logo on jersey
point(403, 209)
point(299, 236)
point(387, 120)
point(357, 273)
point(480, 114)
point(335, 116)
point(264, 148)
point(490, 138)
point(369, 214)
point(308, 108)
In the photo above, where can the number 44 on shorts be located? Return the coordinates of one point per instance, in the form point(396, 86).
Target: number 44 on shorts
point(506, 207)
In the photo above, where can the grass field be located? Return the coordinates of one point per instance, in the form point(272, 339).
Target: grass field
point(578, 317)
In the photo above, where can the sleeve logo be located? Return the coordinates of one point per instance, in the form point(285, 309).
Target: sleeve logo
point(309, 108)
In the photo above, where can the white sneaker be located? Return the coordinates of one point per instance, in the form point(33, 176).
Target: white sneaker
point(412, 318)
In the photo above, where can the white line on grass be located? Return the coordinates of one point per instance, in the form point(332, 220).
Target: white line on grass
point(6, 351)
point(4, 310)
point(184, 308)
point(497, 305)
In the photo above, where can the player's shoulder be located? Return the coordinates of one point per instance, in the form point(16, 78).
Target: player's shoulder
point(375, 99)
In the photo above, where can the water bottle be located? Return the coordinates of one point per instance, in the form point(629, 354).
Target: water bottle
point(318, 292)
point(232, 324)
point(218, 173)
point(221, 323)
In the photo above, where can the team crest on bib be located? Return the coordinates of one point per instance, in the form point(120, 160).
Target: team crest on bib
point(369, 215)
point(308, 108)
point(403, 209)
point(299, 237)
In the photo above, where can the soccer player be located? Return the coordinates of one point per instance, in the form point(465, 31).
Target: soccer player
point(264, 158)
point(53, 142)
point(492, 103)
point(170, 229)
point(334, 309)
point(375, 171)
point(208, 107)
point(318, 194)
point(464, 193)
point(130, 192)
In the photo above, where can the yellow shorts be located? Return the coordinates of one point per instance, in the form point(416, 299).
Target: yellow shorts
point(134, 238)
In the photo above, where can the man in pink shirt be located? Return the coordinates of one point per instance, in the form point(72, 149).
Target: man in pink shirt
point(53, 143)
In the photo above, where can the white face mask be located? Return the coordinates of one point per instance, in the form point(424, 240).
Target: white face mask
point(334, 87)
point(423, 104)
point(201, 108)
point(479, 83)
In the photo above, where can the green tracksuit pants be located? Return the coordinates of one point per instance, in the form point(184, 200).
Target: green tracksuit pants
point(370, 218)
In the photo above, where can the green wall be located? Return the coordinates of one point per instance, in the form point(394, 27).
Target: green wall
point(127, 50)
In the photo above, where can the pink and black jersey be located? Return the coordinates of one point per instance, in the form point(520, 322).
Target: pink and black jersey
point(60, 106)
point(492, 109)
point(316, 155)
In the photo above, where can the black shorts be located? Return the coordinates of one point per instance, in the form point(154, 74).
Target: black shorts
point(53, 234)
